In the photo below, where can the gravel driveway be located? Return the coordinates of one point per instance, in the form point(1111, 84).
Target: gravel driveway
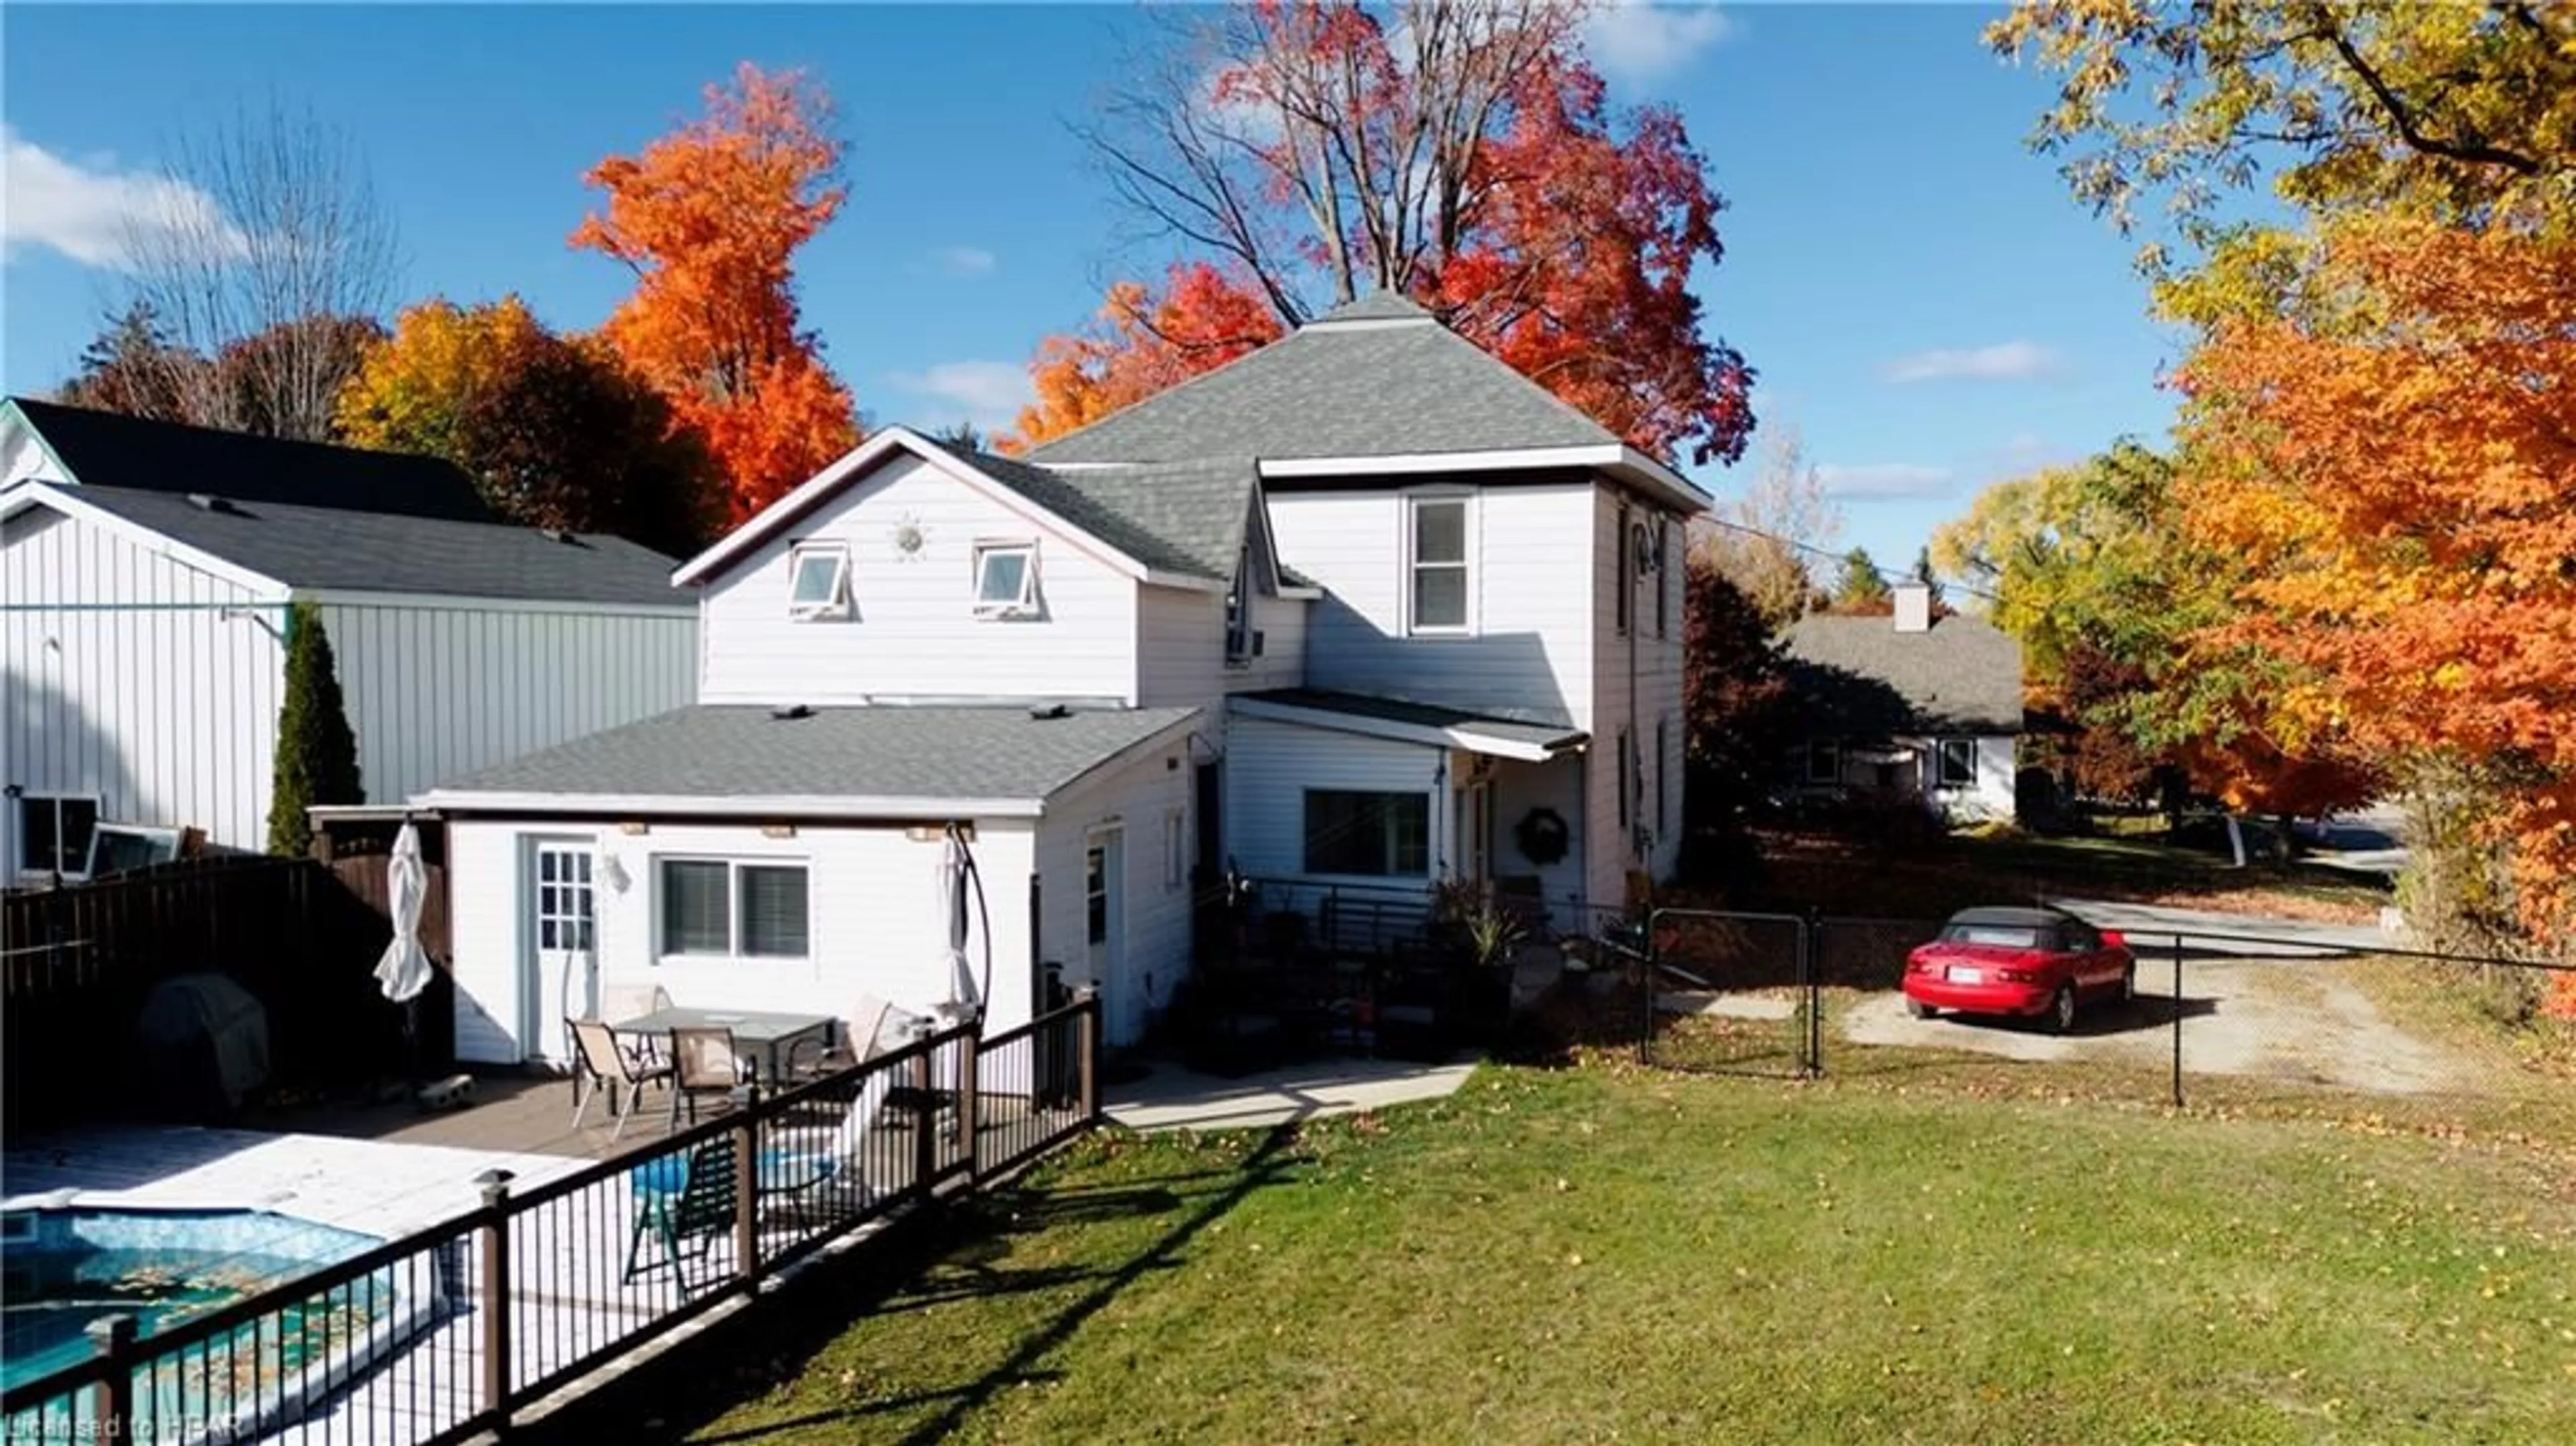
point(2286, 1011)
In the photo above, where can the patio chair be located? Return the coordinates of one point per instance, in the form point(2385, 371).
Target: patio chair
point(681, 1200)
point(703, 1063)
point(634, 1001)
point(868, 1032)
point(602, 1066)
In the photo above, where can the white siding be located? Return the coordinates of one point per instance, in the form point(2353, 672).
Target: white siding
point(436, 688)
point(1269, 765)
point(1990, 797)
point(125, 678)
point(1530, 591)
point(874, 920)
point(1282, 623)
point(1134, 798)
point(1180, 649)
point(1632, 663)
point(913, 633)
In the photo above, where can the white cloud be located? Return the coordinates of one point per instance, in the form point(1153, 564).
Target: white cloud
point(2004, 361)
point(986, 393)
point(965, 260)
point(89, 211)
point(1638, 42)
point(1883, 481)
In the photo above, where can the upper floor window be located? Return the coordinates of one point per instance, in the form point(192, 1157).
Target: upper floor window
point(1629, 542)
point(1663, 578)
point(1238, 610)
point(1006, 579)
point(818, 580)
point(1438, 563)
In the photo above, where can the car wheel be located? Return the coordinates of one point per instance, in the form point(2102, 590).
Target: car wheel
point(1917, 1009)
point(2061, 1010)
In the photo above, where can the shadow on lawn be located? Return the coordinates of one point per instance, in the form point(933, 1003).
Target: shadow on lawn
point(948, 1267)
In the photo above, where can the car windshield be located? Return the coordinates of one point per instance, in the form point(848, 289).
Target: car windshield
point(2000, 936)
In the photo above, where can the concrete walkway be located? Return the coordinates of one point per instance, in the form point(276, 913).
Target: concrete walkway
point(1173, 1098)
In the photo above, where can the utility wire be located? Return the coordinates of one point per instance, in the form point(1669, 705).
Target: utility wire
point(1829, 555)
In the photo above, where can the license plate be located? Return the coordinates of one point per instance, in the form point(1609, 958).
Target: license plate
point(1960, 974)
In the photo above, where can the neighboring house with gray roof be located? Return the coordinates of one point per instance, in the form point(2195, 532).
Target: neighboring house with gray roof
point(1913, 705)
point(1364, 609)
point(147, 572)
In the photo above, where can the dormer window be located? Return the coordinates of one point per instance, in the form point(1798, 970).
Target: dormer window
point(818, 581)
point(1006, 579)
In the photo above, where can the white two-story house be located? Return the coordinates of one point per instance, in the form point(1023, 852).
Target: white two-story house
point(1363, 608)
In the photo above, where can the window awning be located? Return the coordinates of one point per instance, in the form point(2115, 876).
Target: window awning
point(1431, 724)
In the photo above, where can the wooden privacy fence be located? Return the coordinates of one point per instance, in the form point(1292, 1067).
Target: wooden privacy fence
point(302, 937)
point(449, 1332)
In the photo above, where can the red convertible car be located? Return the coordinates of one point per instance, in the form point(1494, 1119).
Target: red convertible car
point(2030, 962)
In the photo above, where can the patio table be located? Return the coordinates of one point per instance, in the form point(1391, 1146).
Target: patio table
point(761, 1035)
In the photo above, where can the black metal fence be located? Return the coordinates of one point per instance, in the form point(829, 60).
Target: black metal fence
point(2334, 1018)
point(450, 1331)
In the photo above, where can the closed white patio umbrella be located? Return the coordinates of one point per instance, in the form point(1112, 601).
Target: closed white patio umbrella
point(404, 969)
point(956, 874)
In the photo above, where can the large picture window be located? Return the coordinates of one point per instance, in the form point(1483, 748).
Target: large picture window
point(54, 834)
point(729, 909)
point(1368, 835)
point(1439, 565)
point(1958, 762)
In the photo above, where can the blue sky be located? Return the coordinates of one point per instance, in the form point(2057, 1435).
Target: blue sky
point(1919, 295)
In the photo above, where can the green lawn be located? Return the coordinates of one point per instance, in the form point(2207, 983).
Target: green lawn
point(1600, 1254)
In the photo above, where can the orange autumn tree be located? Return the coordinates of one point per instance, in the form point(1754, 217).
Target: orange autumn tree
point(709, 218)
point(2396, 459)
point(1460, 152)
point(1138, 345)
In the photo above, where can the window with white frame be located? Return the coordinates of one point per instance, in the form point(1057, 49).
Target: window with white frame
point(1367, 834)
point(1824, 762)
point(818, 581)
point(1238, 609)
point(1437, 556)
point(54, 833)
point(1958, 762)
point(1175, 849)
point(1626, 602)
point(1006, 579)
point(733, 909)
point(1664, 577)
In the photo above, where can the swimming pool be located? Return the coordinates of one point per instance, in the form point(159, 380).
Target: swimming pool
point(67, 1268)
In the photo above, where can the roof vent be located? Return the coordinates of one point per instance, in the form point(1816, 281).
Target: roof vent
point(1044, 711)
point(557, 534)
point(209, 502)
point(789, 712)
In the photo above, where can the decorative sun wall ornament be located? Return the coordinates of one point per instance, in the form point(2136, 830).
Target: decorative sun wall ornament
point(911, 535)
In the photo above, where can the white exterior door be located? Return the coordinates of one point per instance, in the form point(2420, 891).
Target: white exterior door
point(563, 947)
point(1104, 913)
point(1475, 831)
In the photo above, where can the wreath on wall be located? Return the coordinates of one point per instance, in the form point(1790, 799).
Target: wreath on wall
point(1542, 835)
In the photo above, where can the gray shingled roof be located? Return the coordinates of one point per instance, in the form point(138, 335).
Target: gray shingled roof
point(1379, 305)
point(1539, 733)
point(1175, 517)
point(1330, 390)
point(1859, 676)
point(329, 547)
point(926, 753)
point(106, 449)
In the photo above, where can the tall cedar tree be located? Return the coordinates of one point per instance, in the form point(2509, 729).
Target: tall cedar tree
point(709, 218)
point(1861, 588)
point(556, 431)
point(317, 755)
point(1461, 152)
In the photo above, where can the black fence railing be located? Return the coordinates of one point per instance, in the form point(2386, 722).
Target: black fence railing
point(451, 1330)
point(2176, 1015)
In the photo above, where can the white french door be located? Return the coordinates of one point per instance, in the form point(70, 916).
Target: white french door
point(563, 946)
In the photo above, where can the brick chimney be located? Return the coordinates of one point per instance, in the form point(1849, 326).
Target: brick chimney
point(1913, 607)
